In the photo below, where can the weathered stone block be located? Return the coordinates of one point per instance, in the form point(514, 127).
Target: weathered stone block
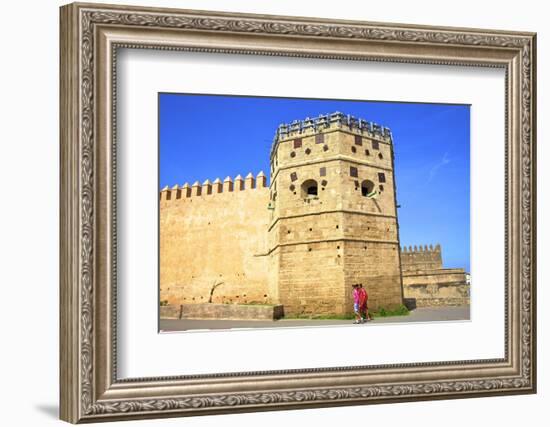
point(170, 312)
point(231, 311)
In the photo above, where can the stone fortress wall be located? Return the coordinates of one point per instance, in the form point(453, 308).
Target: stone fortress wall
point(215, 233)
point(415, 258)
point(327, 220)
point(426, 283)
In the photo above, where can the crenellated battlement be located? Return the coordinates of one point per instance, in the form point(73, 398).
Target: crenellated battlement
point(427, 257)
point(421, 249)
point(336, 120)
point(208, 188)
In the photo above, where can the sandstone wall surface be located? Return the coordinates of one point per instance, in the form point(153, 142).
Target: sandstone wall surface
point(337, 237)
point(215, 234)
point(414, 258)
point(222, 312)
point(437, 287)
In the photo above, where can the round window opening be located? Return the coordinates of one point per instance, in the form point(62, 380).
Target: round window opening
point(367, 188)
point(309, 189)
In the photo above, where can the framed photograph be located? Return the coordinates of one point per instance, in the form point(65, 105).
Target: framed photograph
point(269, 212)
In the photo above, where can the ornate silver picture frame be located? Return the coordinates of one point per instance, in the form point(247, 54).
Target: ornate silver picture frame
point(91, 390)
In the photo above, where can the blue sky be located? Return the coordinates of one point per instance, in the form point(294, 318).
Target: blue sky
point(207, 137)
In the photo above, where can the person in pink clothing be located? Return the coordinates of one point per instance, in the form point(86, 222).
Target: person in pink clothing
point(363, 300)
point(356, 304)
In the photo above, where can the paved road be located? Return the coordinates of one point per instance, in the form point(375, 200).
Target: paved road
point(435, 314)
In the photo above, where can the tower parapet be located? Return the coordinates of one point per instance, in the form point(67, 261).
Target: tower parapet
point(323, 122)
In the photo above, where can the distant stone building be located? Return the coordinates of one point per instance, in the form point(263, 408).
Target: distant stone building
point(427, 283)
point(327, 220)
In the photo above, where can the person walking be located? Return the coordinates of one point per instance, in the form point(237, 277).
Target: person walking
point(363, 303)
point(356, 307)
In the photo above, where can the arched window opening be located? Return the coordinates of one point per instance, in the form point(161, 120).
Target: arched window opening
point(309, 189)
point(367, 188)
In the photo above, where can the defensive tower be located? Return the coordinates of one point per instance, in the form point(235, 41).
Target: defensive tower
point(333, 218)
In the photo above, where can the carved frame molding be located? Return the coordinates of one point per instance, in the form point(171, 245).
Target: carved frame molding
point(90, 37)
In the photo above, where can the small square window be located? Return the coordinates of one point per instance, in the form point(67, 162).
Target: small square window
point(293, 176)
point(375, 145)
point(381, 177)
point(323, 172)
point(367, 153)
point(353, 172)
point(297, 142)
point(358, 140)
point(320, 138)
